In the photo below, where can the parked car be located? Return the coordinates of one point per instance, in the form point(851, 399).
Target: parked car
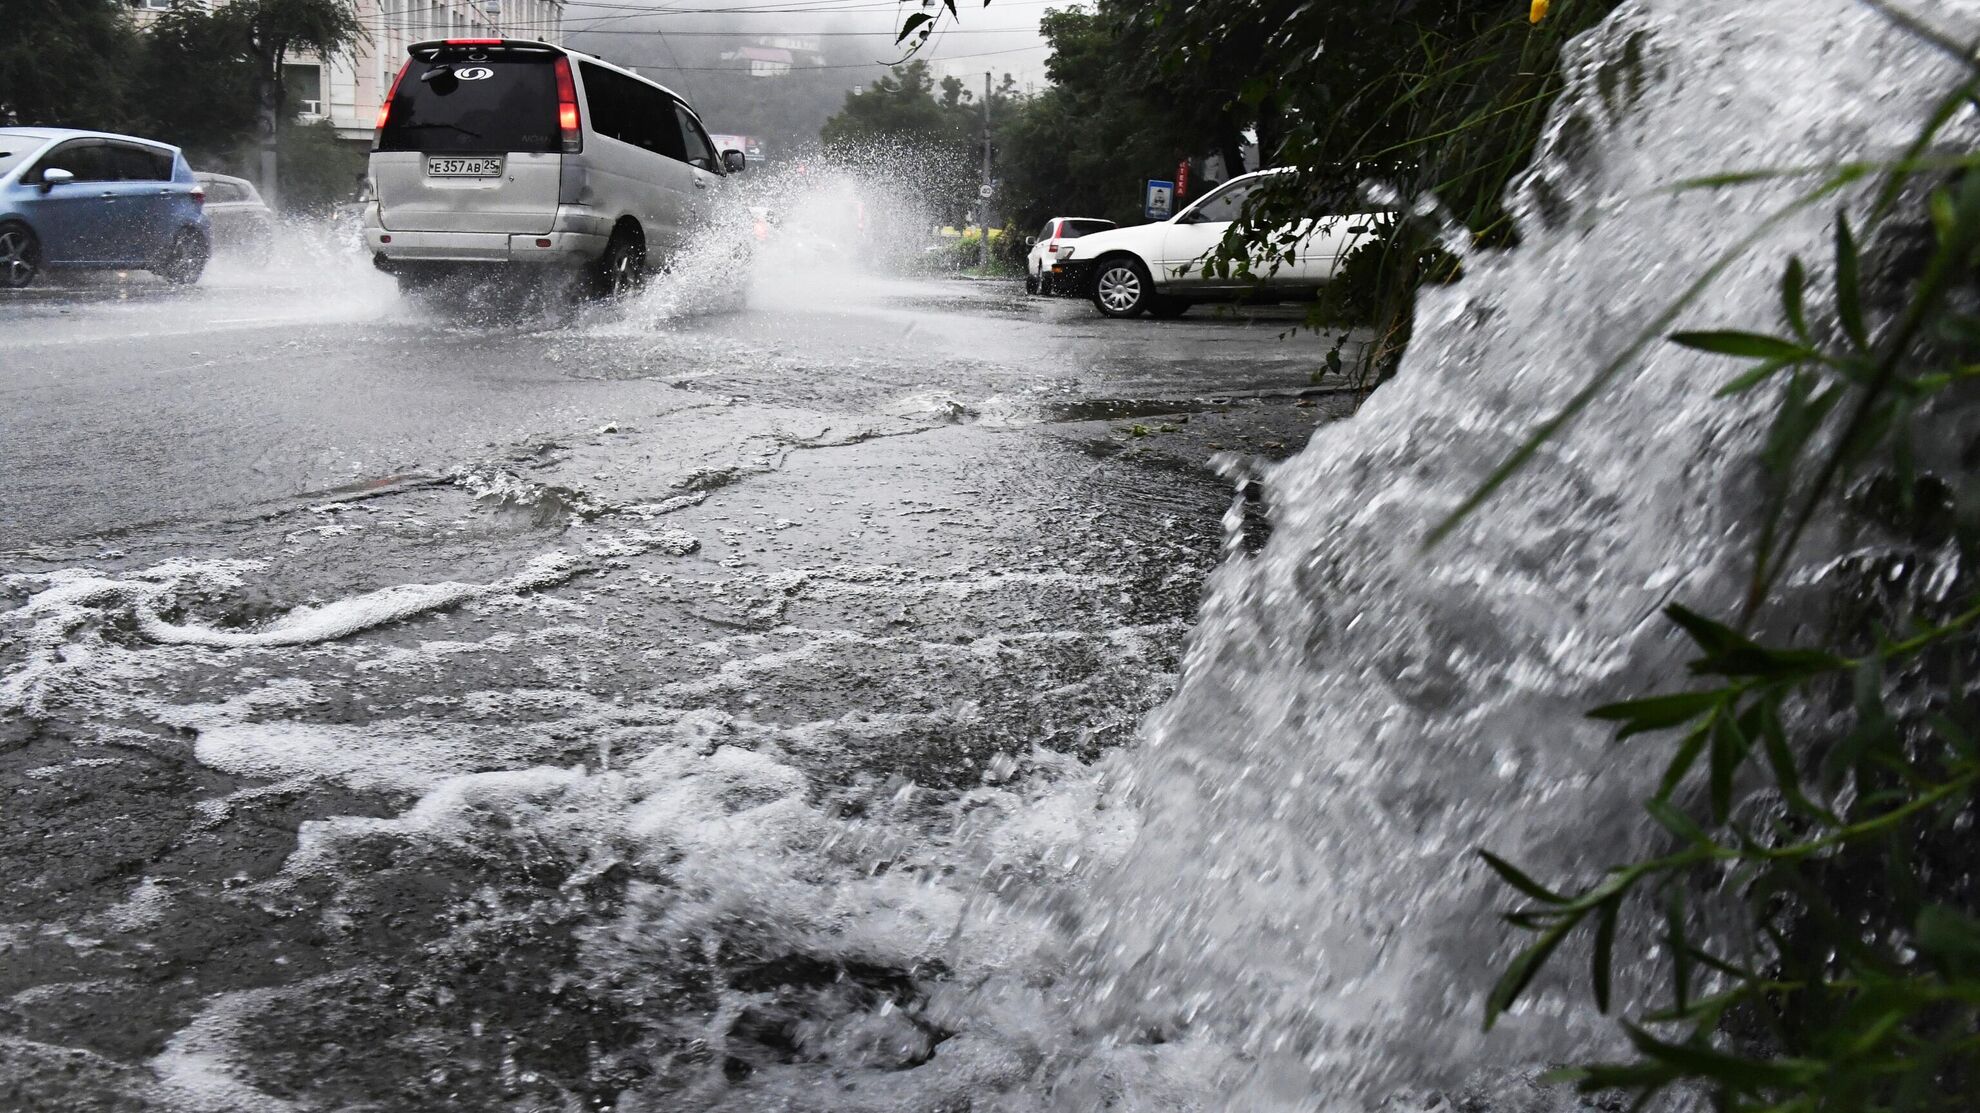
point(500, 155)
point(89, 199)
point(1058, 233)
point(1158, 268)
point(243, 224)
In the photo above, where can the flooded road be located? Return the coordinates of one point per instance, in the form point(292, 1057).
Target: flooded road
point(642, 709)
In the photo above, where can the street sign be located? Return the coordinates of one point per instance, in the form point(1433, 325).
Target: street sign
point(984, 192)
point(1182, 179)
point(1161, 200)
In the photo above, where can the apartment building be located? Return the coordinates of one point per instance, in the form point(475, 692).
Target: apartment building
point(348, 90)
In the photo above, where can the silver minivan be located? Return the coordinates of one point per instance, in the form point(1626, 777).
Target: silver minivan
point(500, 153)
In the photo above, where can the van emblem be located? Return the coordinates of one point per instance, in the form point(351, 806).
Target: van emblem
point(474, 73)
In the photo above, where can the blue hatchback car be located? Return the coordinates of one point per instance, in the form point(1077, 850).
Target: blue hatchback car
point(90, 199)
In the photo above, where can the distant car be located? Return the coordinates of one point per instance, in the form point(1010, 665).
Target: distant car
point(1158, 268)
point(243, 224)
point(93, 200)
point(1058, 232)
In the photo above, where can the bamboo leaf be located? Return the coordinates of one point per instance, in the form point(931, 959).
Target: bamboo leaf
point(909, 25)
point(1512, 876)
point(1684, 759)
point(1746, 381)
point(1605, 941)
point(1849, 304)
point(1676, 822)
point(1520, 974)
point(1657, 712)
point(1746, 344)
point(1794, 283)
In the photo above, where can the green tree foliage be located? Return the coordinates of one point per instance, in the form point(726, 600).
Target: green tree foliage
point(900, 108)
point(272, 32)
point(194, 84)
point(1085, 145)
point(199, 78)
point(900, 113)
point(318, 170)
point(64, 62)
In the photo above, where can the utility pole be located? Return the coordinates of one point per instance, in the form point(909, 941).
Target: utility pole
point(983, 206)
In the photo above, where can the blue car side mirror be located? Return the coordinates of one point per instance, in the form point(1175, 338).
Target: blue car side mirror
point(54, 176)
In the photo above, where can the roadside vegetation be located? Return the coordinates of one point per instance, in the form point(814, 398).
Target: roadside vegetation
point(1818, 895)
point(208, 81)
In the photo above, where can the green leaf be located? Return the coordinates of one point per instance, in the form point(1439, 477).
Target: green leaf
point(1700, 1061)
point(1951, 939)
point(1748, 344)
point(1658, 712)
point(1684, 759)
point(1680, 949)
point(1849, 304)
point(1605, 941)
point(1712, 637)
point(1794, 283)
point(1729, 749)
point(1787, 775)
point(1747, 380)
point(1518, 880)
point(1676, 822)
point(1520, 974)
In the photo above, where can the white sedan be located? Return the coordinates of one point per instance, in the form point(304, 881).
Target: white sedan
point(1159, 269)
point(1046, 246)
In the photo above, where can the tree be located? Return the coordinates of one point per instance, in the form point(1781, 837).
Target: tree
point(62, 62)
point(270, 32)
point(898, 119)
point(218, 115)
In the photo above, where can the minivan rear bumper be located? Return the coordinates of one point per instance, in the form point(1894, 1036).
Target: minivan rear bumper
point(579, 238)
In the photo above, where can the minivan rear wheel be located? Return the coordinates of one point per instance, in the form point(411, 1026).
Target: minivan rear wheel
point(623, 266)
point(20, 255)
point(185, 260)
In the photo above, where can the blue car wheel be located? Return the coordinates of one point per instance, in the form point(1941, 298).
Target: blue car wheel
point(20, 255)
point(185, 260)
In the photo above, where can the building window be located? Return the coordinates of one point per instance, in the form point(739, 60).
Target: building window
point(305, 88)
point(152, 5)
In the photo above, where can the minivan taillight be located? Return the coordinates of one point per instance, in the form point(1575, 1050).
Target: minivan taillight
point(567, 108)
point(385, 109)
point(199, 198)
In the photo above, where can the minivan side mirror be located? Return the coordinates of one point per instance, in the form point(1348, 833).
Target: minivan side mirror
point(1031, 241)
point(734, 161)
point(54, 176)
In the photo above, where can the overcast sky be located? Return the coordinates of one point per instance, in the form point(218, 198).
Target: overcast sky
point(1001, 38)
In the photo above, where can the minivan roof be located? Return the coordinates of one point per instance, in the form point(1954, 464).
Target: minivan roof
point(433, 47)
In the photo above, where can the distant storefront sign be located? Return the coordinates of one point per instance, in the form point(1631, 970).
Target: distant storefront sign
point(1161, 201)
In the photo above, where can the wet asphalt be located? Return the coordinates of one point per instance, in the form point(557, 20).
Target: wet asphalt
point(286, 561)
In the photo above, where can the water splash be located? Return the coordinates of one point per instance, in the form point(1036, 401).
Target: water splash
point(1356, 714)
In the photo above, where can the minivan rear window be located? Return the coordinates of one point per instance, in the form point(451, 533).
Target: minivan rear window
point(1074, 229)
point(475, 107)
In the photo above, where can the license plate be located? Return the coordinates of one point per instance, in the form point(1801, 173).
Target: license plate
point(464, 167)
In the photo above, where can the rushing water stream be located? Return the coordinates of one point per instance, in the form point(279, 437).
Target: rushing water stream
point(1358, 714)
point(715, 897)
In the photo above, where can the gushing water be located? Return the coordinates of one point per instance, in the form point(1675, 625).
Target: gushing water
point(1358, 714)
